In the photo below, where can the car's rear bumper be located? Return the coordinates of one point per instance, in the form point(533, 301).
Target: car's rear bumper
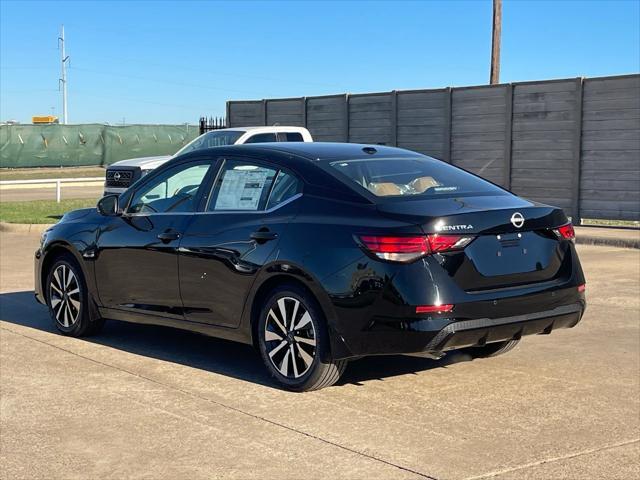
point(434, 336)
point(481, 331)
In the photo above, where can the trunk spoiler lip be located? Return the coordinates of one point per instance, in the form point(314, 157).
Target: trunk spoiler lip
point(481, 221)
point(499, 222)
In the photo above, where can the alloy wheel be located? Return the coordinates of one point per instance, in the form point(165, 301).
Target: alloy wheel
point(64, 295)
point(290, 337)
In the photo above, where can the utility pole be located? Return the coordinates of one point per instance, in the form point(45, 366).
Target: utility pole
point(63, 80)
point(494, 76)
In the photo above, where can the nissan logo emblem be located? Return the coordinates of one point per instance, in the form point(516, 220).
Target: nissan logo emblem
point(517, 220)
point(116, 177)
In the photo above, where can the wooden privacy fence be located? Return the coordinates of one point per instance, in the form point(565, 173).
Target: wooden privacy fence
point(574, 143)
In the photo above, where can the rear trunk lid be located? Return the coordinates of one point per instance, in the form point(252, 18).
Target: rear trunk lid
point(514, 243)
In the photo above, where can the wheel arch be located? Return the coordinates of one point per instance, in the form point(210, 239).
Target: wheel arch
point(52, 252)
point(297, 277)
point(263, 290)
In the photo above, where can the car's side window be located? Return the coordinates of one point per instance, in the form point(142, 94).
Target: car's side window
point(286, 186)
point(291, 137)
point(173, 191)
point(242, 186)
point(262, 137)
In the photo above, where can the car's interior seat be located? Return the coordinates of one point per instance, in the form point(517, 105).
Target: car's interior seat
point(384, 189)
point(421, 184)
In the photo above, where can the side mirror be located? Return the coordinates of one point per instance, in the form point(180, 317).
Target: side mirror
point(108, 206)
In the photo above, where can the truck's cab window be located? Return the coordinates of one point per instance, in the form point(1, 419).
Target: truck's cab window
point(290, 137)
point(261, 138)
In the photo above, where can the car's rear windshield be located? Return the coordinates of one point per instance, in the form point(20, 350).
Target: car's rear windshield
point(211, 139)
point(411, 176)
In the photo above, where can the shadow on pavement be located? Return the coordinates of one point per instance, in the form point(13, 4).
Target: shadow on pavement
point(206, 353)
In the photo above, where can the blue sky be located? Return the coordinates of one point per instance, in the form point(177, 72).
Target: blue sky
point(171, 61)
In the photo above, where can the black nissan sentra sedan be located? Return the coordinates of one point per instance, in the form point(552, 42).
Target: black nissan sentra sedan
point(317, 253)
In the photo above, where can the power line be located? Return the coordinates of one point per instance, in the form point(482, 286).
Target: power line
point(170, 82)
point(26, 68)
point(137, 100)
point(137, 61)
point(31, 90)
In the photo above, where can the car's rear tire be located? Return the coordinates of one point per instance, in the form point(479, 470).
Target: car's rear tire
point(491, 349)
point(294, 342)
point(68, 299)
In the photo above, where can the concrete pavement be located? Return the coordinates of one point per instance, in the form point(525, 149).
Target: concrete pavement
point(152, 402)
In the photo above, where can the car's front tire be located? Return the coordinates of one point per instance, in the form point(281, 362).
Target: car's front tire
point(67, 298)
point(294, 342)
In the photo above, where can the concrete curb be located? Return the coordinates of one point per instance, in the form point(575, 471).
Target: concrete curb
point(605, 241)
point(24, 227)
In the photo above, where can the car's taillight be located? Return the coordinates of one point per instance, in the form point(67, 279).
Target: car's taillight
point(446, 243)
point(565, 232)
point(434, 308)
point(406, 249)
point(397, 249)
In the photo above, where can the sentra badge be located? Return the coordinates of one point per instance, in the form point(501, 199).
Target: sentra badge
point(452, 228)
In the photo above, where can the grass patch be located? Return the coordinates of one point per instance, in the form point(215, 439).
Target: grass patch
point(59, 172)
point(39, 211)
point(610, 223)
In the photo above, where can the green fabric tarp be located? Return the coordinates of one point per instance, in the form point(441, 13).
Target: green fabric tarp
point(88, 144)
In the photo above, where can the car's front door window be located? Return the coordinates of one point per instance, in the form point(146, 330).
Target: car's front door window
point(173, 191)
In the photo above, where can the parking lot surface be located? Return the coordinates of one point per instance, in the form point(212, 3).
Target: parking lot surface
point(151, 402)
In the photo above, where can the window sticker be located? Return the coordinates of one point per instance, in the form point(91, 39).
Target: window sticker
point(241, 189)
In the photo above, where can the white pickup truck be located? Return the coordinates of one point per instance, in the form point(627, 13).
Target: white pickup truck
point(120, 175)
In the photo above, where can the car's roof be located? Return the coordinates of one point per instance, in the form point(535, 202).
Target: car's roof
point(263, 128)
point(319, 151)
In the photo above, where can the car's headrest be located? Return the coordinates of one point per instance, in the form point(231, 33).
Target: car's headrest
point(423, 183)
point(384, 189)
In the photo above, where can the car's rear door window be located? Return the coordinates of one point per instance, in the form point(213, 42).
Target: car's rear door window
point(409, 176)
point(286, 186)
point(242, 186)
point(248, 186)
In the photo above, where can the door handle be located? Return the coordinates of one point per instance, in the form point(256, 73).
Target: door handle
point(263, 235)
point(168, 236)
